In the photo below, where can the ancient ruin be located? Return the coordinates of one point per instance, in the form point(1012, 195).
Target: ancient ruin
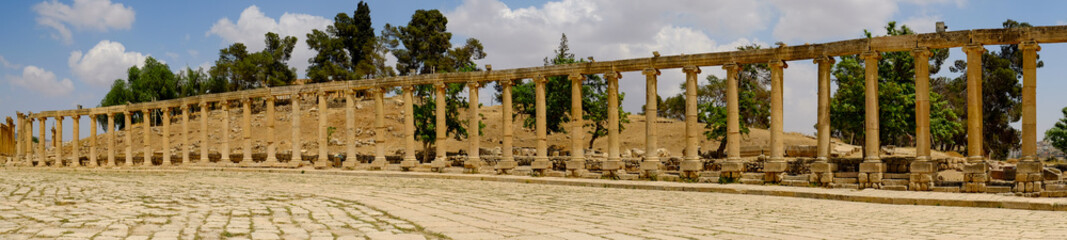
point(917, 173)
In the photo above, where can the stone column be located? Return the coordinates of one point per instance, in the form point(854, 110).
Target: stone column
point(822, 170)
point(871, 169)
point(204, 111)
point(409, 129)
point(185, 134)
point(613, 164)
point(41, 153)
point(225, 150)
point(92, 141)
point(20, 144)
point(166, 137)
point(776, 165)
point(507, 163)
point(692, 165)
point(128, 116)
point(30, 153)
point(75, 143)
point(923, 171)
point(351, 160)
point(111, 132)
point(379, 129)
point(440, 127)
point(272, 148)
point(733, 167)
point(295, 158)
point(1028, 178)
point(147, 124)
point(324, 156)
point(246, 132)
point(541, 162)
point(650, 166)
point(474, 160)
point(975, 173)
point(57, 138)
point(576, 164)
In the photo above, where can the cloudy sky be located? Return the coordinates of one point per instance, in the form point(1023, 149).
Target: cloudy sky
point(57, 54)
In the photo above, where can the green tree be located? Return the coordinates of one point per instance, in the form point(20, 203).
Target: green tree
point(1057, 135)
point(427, 49)
point(192, 83)
point(152, 82)
point(348, 49)
point(267, 68)
point(896, 97)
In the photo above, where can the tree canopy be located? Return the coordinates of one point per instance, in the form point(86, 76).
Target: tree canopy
point(348, 49)
point(267, 68)
point(1057, 135)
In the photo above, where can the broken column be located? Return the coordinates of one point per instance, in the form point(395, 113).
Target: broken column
point(1028, 176)
point(776, 165)
point(691, 165)
point(650, 166)
point(576, 164)
point(507, 163)
point(976, 171)
point(923, 170)
point(872, 168)
point(822, 171)
point(541, 164)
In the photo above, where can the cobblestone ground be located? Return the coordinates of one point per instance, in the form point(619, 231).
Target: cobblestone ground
point(214, 205)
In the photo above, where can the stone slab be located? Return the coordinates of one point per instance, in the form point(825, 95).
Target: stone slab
point(775, 166)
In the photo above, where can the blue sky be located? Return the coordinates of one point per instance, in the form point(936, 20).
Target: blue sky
point(57, 54)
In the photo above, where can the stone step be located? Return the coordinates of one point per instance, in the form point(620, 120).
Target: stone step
point(752, 181)
point(895, 187)
point(895, 182)
point(1054, 194)
point(1055, 187)
point(710, 174)
point(896, 176)
point(795, 183)
point(846, 185)
point(953, 189)
point(801, 177)
point(997, 189)
point(845, 180)
point(846, 174)
point(753, 176)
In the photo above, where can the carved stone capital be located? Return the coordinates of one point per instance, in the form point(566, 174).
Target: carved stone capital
point(612, 75)
point(474, 84)
point(650, 72)
point(731, 66)
point(539, 79)
point(408, 88)
point(777, 63)
point(974, 49)
point(1029, 46)
point(922, 52)
point(691, 69)
point(576, 77)
point(871, 56)
point(506, 82)
point(824, 59)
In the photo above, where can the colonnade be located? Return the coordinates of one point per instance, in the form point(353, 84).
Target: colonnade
point(870, 173)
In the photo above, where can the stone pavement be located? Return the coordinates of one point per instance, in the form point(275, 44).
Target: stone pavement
point(47, 204)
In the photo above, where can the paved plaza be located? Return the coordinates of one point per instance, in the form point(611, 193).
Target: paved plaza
point(49, 204)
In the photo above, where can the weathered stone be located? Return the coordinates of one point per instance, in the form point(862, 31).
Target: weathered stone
point(775, 166)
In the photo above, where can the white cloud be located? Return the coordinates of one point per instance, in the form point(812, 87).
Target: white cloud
point(810, 21)
point(253, 24)
point(41, 81)
point(104, 63)
point(99, 15)
point(3, 61)
point(922, 24)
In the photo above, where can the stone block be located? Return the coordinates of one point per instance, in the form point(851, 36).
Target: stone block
point(1035, 177)
point(861, 178)
point(575, 164)
point(874, 177)
point(650, 165)
point(895, 187)
point(975, 168)
point(506, 165)
point(845, 180)
point(555, 174)
point(409, 163)
point(733, 167)
point(923, 167)
point(947, 189)
point(752, 181)
point(872, 167)
point(1052, 174)
point(826, 178)
point(821, 167)
point(1029, 167)
point(611, 165)
point(691, 165)
point(775, 166)
point(541, 164)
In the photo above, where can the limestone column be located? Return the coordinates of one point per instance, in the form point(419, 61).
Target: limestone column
point(323, 142)
point(21, 140)
point(246, 132)
point(92, 141)
point(474, 160)
point(225, 141)
point(691, 166)
point(166, 137)
point(508, 161)
point(871, 168)
point(75, 143)
point(1028, 178)
point(351, 160)
point(204, 111)
point(923, 171)
point(613, 163)
point(296, 157)
point(822, 169)
point(541, 163)
point(733, 167)
point(379, 129)
point(576, 164)
point(776, 164)
point(128, 132)
point(975, 173)
point(185, 134)
point(57, 138)
point(440, 127)
point(409, 129)
point(147, 120)
point(272, 160)
point(41, 154)
point(651, 163)
point(111, 132)
point(30, 153)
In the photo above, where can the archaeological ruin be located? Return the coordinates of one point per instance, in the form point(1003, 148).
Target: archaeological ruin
point(1028, 177)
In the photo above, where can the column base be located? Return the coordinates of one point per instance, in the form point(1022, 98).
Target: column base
point(870, 175)
point(350, 164)
point(774, 170)
point(922, 175)
point(408, 164)
point(439, 164)
point(691, 168)
point(246, 162)
point(322, 163)
point(650, 168)
point(378, 163)
point(574, 164)
point(822, 173)
point(505, 166)
point(975, 177)
point(1029, 177)
point(270, 162)
point(472, 164)
point(540, 166)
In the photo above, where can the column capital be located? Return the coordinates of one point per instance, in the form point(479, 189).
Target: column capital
point(824, 59)
point(1029, 46)
point(974, 49)
point(691, 69)
point(777, 63)
point(202, 104)
point(921, 52)
point(871, 55)
point(612, 75)
point(650, 72)
point(60, 117)
point(439, 85)
point(540, 79)
point(246, 100)
point(731, 66)
point(184, 107)
point(474, 84)
point(146, 111)
point(576, 77)
point(506, 82)
point(374, 90)
point(408, 88)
